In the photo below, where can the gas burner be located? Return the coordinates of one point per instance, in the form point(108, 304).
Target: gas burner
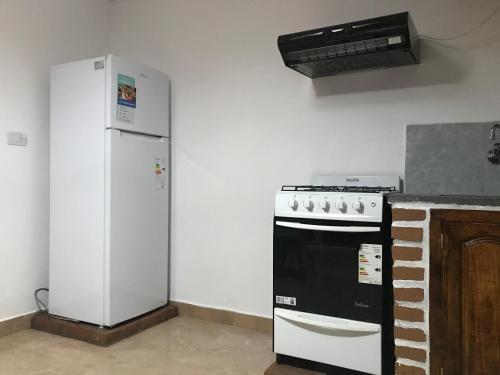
point(341, 189)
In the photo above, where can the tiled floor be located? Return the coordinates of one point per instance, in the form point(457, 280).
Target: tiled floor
point(181, 346)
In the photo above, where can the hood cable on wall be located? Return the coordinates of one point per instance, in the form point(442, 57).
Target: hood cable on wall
point(484, 22)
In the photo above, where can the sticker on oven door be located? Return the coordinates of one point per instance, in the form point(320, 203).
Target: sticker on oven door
point(127, 98)
point(292, 301)
point(160, 174)
point(370, 264)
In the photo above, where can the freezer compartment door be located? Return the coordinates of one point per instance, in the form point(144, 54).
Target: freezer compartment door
point(137, 225)
point(138, 97)
point(338, 342)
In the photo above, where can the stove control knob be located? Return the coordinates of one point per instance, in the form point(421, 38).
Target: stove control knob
point(309, 204)
point(324, 205)
point(293, 204)
point(341, 206)
point(358, 206)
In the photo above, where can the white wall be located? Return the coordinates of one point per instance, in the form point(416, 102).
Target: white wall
point(34, 35)
point(243, 124)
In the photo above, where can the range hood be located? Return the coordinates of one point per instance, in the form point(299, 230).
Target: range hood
point(374, 43)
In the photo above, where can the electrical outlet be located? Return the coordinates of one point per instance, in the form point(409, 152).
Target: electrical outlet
point(17, 139)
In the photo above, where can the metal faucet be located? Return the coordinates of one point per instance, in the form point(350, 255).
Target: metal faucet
point(494, 152)
point(493, 129)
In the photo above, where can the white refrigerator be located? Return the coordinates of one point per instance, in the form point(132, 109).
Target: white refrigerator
point(109, 190)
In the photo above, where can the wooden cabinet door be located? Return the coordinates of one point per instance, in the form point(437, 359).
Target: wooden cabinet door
point(465, 300)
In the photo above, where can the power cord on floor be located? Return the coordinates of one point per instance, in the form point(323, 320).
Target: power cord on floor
point(40, 303)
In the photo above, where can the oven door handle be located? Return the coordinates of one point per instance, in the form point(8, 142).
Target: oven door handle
point(328, 228)
point(346, 327)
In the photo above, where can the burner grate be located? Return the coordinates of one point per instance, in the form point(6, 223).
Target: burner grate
point(341, 189)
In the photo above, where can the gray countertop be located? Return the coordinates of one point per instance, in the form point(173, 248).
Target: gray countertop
point(445, 199)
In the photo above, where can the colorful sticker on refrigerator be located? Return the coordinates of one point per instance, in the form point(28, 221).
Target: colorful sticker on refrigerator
point(370, 264)
point(282, 300)
point(160, 174)
point(127, 97)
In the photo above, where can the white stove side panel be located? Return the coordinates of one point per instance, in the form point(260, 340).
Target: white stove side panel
point(372, 206)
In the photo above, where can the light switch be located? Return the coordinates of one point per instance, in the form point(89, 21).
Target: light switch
point(17, 139)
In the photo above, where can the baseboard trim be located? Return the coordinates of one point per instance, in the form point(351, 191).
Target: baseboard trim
point(250, 322)
point(14, 325)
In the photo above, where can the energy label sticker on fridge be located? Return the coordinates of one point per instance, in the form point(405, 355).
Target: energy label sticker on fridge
point(160, 174)
point(127, 95)
point(370, 264)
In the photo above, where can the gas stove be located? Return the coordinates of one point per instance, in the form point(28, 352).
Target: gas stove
point(332, 282)
point(353, 199)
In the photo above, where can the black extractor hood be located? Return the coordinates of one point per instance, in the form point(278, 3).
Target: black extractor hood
point(374, 43)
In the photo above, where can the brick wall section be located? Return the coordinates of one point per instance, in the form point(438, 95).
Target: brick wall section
point(408, 273)
point(408, 234)
point(402, 214)
point(409, 370)
point(406, 253)
point(410, 334)
point(419, 355)
point(410, 284)
point(408, 314)
point(409, 294)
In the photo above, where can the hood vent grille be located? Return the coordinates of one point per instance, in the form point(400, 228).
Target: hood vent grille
point(340, 50)
point(379, 42)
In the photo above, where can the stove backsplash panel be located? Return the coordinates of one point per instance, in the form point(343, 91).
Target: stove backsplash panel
point(451, 159)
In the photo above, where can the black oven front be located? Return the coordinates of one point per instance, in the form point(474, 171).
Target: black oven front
point(318, 267)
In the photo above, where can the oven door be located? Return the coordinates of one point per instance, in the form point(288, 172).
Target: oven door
point(319, 269)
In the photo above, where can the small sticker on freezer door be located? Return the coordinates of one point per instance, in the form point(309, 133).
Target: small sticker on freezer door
point(370, 264)
point(282, 300)
point(127, 97)
point(160, 174)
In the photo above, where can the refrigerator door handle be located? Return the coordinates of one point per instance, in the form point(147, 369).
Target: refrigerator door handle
point(141, 136)
point(337, 326)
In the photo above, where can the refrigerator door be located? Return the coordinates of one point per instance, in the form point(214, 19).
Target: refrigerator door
point(137, 215)
point(138, 97)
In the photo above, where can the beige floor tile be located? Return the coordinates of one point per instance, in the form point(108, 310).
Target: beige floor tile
point(181, 346)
